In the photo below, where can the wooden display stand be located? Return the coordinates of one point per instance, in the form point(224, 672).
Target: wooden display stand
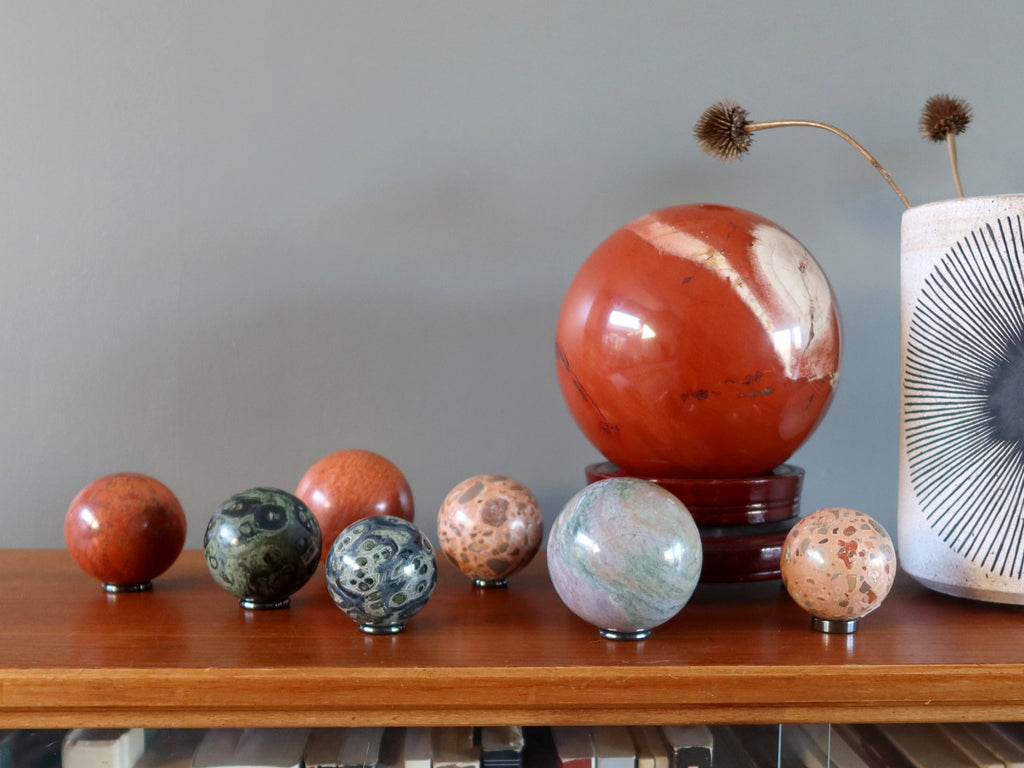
point(186, 655)
point(743, 521)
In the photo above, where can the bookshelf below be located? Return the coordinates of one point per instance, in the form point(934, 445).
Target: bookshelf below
point(186, 655)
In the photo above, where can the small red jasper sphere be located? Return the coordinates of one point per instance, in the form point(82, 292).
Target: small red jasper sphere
point(352, 484)
point(698, 341)
point(125, 529)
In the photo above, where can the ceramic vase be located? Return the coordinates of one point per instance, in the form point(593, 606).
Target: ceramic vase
point(961, 474)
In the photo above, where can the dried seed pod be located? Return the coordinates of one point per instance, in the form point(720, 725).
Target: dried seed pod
point(721, 130)
point(943, 118)
point(943, 115)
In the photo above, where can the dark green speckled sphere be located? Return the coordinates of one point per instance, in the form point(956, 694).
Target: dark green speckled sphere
point(262, 546)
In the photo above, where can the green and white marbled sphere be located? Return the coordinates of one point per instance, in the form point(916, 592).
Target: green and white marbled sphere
point(262, 546)
point(625, 555)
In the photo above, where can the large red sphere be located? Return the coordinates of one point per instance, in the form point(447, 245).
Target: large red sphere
point(125, 529)
point(349, 485)
point(698, 341)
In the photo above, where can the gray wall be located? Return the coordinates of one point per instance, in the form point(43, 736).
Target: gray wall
point(237, 236)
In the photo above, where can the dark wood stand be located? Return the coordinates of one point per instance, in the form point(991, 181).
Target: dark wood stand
point(743, 521)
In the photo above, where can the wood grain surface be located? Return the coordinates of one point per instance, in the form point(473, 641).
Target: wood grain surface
point(187, 655)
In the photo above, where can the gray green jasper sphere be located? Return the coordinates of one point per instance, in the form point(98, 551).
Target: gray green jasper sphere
point(381, 571)
point(262, 546)
point(625, 555)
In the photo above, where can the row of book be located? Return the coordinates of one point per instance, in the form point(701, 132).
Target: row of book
point(953, 745)
point(926, 745)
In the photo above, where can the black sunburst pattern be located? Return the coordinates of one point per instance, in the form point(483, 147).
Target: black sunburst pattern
point(963, 392)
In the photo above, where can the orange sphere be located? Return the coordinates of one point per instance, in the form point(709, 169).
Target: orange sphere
point(698, 341)
point(350, 485)
point(125, 529)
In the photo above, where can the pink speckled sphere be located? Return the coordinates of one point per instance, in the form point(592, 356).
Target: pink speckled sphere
point(838, 564)
point(489, 527)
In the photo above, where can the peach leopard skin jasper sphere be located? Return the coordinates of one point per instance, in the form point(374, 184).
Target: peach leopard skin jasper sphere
point(489, 527)
point(838, 564)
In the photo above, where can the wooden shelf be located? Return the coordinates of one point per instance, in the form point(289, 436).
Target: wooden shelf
point(186, 654)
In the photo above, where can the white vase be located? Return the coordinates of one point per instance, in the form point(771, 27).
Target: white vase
point(961, 477)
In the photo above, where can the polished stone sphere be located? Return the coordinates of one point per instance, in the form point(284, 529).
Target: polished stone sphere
point(262, 546)
point(625, 555)
point(698, 341)
point(125, 529)
point(349, 485)
point(381, 571)
point(838, 564)
point(490, 527)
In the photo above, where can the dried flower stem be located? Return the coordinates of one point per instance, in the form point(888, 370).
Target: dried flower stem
point(943, 118)
point(954, 164)
point(763, 125)
point(724, 131)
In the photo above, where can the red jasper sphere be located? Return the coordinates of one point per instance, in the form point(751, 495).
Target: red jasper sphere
point(352, 484)
point(125, 529)
point(698, 341)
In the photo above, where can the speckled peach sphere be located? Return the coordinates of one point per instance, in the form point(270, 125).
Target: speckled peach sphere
point(489, 527)
point(350, 485)
point(838, 564)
